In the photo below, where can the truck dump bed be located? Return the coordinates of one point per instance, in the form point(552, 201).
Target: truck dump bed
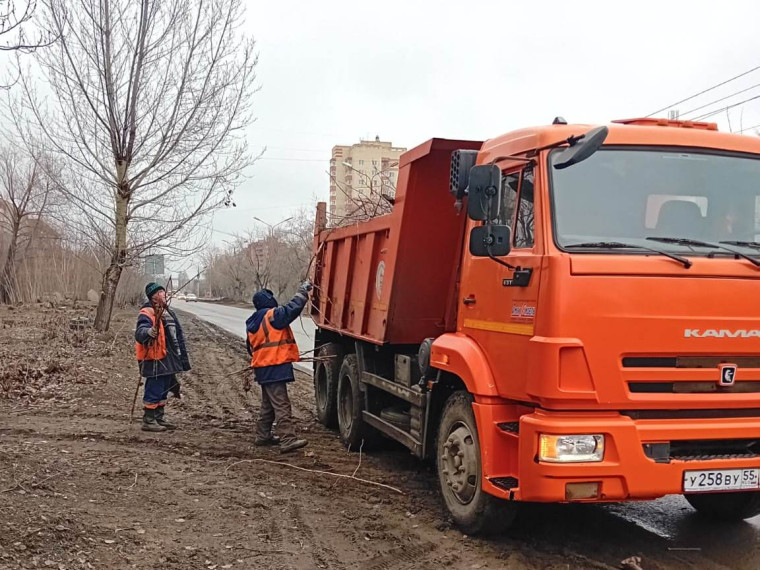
point(359, 292)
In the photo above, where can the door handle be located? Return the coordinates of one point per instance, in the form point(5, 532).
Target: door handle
point(520, 278)
point(469, 300)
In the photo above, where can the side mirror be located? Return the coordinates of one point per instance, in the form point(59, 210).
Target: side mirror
point(581, 148)
point(490, 241)
point(484, 192)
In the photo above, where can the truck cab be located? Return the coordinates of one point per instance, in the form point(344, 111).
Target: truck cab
point(593, 331)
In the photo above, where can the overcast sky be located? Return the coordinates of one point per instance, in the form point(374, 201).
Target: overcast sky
point(332, 72)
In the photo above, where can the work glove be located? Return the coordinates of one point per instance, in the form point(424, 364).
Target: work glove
point(304, 289)
point(153, 332)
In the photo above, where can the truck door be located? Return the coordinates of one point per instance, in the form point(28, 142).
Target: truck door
point(497, 308)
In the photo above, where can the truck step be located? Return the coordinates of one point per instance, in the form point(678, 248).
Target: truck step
point(407, 394)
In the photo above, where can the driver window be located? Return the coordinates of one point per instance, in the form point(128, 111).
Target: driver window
point(524, 228)
point(509, 185)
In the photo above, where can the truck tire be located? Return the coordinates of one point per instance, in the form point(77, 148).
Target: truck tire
point(326, 384)
point(353, 430)
point(460, 475)
point(726, 506)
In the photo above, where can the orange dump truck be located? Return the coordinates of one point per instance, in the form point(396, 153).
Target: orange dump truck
point(563, 313)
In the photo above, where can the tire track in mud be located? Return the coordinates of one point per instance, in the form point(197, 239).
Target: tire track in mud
point(322, 555)
point(302, 391)
point(407, 556)
point(221, 397)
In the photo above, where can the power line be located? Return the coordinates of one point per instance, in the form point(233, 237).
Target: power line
point(256, 208)
point(710, 114)
point(322, 150)
point(748, 129)
point(704, 91)
point(719, 100)
point(219, 231)
point(323, 160)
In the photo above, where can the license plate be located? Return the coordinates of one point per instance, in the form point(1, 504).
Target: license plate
point(721, 480)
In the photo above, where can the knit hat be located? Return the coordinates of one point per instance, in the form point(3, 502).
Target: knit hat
point(152, 288)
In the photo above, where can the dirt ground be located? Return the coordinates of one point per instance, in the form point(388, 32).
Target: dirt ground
point(82, 487)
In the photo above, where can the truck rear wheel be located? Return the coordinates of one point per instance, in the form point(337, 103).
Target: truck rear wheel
point(353, 430)
point(726, 506)
point(460, 474)
point(326, 384)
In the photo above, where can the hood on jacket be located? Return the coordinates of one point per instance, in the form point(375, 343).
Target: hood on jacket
point(264, 299)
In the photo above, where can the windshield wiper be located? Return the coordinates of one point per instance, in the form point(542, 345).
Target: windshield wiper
point(620, 245)
point(752, 244)
point(698, 243)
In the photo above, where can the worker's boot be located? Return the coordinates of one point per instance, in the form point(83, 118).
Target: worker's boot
point(160, 418)
point(266, 441)
point(149, 421)
point(292, 445)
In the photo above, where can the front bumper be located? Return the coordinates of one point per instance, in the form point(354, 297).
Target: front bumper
point(511, 469)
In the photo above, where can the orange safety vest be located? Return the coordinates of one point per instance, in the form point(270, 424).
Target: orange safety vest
point(156, 350)
point(271, 346)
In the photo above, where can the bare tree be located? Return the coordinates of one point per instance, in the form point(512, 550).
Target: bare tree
point(26, 189)
point(276, 258)
point(373, 196)
point(15, 17)
point(149, 102)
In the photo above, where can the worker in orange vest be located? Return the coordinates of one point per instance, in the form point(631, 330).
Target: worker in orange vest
point(161, 354)
point(273, 350)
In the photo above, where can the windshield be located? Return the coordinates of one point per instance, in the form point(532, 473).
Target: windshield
point(632, 196)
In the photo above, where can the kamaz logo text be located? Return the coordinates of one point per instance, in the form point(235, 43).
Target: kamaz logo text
point(721, 333)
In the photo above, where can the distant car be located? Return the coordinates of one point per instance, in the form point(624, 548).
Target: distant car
point(181, 297)
point(191, 297)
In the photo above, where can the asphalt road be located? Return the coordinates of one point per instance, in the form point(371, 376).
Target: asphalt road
point(669, 522)
point(232, 319)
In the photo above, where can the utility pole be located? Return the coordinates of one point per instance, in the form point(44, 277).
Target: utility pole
point(198, 281)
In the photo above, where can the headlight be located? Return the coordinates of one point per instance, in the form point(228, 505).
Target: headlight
point(570, 448)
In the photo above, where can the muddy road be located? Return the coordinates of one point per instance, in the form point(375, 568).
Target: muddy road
point(82, 487)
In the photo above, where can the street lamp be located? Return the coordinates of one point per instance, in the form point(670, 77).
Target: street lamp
point(272, 227)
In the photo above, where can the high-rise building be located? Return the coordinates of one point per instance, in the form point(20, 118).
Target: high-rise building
point(258, 254)
point(363, 179)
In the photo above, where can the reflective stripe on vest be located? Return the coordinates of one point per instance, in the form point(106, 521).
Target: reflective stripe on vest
point(271, 346)
point(156, 350)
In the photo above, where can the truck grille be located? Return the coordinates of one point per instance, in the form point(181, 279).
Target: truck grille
point(689, 361)
point(691, 414)
point(688, 387)
point(703, 450)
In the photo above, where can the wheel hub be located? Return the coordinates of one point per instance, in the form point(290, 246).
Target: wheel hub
point(460, 463)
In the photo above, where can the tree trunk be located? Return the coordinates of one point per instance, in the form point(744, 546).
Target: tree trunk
point(107, 296)
point(8, 293)
point(113, 273)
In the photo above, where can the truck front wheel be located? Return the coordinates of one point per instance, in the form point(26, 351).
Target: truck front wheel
point(726, 506)
point(460, 473)
point(326, 383)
